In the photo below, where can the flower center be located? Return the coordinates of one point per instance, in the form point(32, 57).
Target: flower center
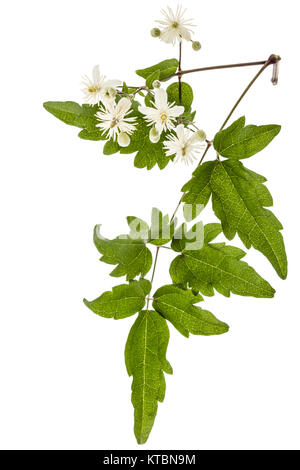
point(183, 151)
point(163, 117)
point(93, 89)
point(175, 25)
point(114, 123)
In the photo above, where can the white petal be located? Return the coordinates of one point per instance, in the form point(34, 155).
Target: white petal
point(112, 83)
point(145, 110)
point(161, 98)
point(176, 111)
point(123, 105)
point(96, 74)
point(180, 132)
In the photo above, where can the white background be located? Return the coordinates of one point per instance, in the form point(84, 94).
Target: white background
point(63, 379)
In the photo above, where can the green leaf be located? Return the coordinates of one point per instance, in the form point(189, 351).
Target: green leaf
point(72, 113)
point(239, 141)
point(111, 147)
point(177, 306)
point(239, 201)
point(91, 134)
point(132, 257)
point(187, 95)
point(145, 358)
point(162, 230)
point(165, 68)
point(197, 190)
point(153, 76)
point(123, 301)
point(148, 154)
point(218, 266)
point(188, 239)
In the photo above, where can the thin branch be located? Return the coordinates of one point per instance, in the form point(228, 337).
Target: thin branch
point(179, 71)
point(215, 67)
point(271, 60)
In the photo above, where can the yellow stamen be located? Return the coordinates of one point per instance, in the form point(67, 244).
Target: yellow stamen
point(93, 89)
point(163, 117)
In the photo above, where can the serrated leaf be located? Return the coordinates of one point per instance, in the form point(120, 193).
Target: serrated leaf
point(239, 201)
point(153, 76)
point(187, 95)
point(218, 266)
point(165, 68)
point(197, 190)
point(72, 113)
point(177, 306)
point(145, 358)
point(148, 154)
point(111, 147)
point(188, 239)
point(162, 230)
point(123, 301)
point(132, 257)
point(239, 141)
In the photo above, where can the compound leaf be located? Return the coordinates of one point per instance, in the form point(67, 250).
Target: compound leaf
point(239, 201)
point(145, 358)
point(131, 256)
point(239, 141)
point(177, 306)
point(123, 301)
point(197, 190)
point(218, 266)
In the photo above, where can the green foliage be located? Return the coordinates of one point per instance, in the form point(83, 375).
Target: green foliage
point(218, 266)
point(183, 237)
point(152, 77)
point(239, 141)
point(72, 113)
point(123, 301)
point(187, 96)
point(197, 190)
point(159, 233)
point(111, 147)
point(239, 201)
point(91, 134)
point(132, 257)
point(148, 154)
point(177, 306)
point(165, 68)
point(145, 358)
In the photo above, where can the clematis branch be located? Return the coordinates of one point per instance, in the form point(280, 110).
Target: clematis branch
point(273, 59)
point(219, 67)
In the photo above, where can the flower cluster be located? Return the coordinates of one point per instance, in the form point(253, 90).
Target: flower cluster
point(115, 115)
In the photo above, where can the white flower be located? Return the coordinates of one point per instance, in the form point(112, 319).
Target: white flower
point(114, 119)
point(98, 88)
point(163, 114)
point(185, 144)
point(175, 26)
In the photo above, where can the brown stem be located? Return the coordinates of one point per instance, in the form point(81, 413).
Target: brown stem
point(216, 67)
point(179, 72)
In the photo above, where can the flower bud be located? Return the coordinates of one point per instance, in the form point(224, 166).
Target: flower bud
point(156, 84)
point(155, 32)
point(200, 135)
point(123, 139)
point(196, 45)
point(154, 135)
